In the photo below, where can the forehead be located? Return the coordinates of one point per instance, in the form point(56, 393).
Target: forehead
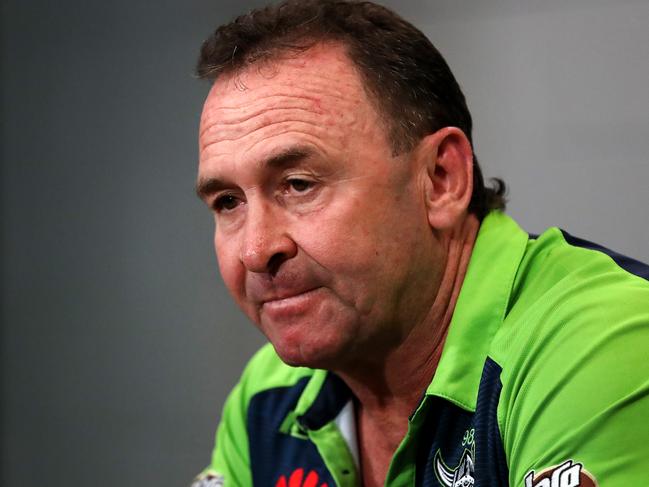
point(317, 94)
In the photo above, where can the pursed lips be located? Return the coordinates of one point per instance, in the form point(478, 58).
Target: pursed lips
point(288, 292)
point(290, 304)
point(286, 296)
point(263, 289)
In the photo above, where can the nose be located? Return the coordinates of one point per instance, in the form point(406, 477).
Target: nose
point(266, 242)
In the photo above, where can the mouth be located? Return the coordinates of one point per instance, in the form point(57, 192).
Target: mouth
point(291, 304)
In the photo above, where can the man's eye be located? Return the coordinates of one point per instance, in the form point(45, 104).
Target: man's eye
point(226, 203)
point(299, 185)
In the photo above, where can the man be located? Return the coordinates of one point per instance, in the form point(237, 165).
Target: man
point(417, 335)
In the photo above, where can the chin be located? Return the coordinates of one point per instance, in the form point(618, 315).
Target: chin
point(319, 340)
point(301, 356)
point(314, 354)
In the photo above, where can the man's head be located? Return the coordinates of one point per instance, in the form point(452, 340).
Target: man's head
point(331, 235)
point(402, 72)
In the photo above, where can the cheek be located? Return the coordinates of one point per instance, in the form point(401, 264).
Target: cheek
point(230, 268)
point(346, 245)
point(331, 241)
point(233, 274)
point(366, 238)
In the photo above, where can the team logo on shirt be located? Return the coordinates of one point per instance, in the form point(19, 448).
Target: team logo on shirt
point(463, 474)
point(568, 474)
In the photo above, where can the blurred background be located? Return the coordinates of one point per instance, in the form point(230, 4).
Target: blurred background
point(118, 341)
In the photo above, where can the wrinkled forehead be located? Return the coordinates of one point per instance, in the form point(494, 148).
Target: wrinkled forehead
point(316, 96)
point(322, 74)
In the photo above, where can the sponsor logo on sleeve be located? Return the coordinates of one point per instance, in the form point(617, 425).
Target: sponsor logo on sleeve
point(210, 479)
point(568, 474)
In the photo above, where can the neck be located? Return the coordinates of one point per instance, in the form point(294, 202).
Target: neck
point(392, 386)
point(388, 388)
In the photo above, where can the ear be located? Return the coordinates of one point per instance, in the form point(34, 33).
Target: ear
point(448, 159)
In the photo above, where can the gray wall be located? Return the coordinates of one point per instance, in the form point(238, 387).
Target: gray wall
point(118, 340)
point(558, 91)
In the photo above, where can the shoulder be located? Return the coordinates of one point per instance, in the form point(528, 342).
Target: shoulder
point(265, 373)
point(572, 349)
point(573, 295)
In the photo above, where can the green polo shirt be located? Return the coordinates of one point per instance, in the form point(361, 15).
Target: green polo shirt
point(543, 381)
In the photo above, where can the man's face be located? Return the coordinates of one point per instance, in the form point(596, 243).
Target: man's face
point(321, 233)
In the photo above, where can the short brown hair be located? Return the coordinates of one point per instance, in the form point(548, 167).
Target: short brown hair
point(403, 72)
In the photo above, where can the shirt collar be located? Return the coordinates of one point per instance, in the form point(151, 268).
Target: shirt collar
point(322, 400)
point(480, 309)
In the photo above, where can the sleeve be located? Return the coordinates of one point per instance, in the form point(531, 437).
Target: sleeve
point(230, 465)
point(578, 412)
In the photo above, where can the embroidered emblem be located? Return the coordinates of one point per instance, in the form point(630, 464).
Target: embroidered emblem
point(463, 474)
point(297, 479)
point(568, 474)
point(208, 480)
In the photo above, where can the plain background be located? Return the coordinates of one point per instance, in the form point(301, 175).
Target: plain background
point(119, 342)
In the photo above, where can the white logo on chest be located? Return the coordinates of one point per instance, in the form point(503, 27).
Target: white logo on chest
point(463, 474)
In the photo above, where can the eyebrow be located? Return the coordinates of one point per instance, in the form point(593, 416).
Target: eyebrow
point(284, 159)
